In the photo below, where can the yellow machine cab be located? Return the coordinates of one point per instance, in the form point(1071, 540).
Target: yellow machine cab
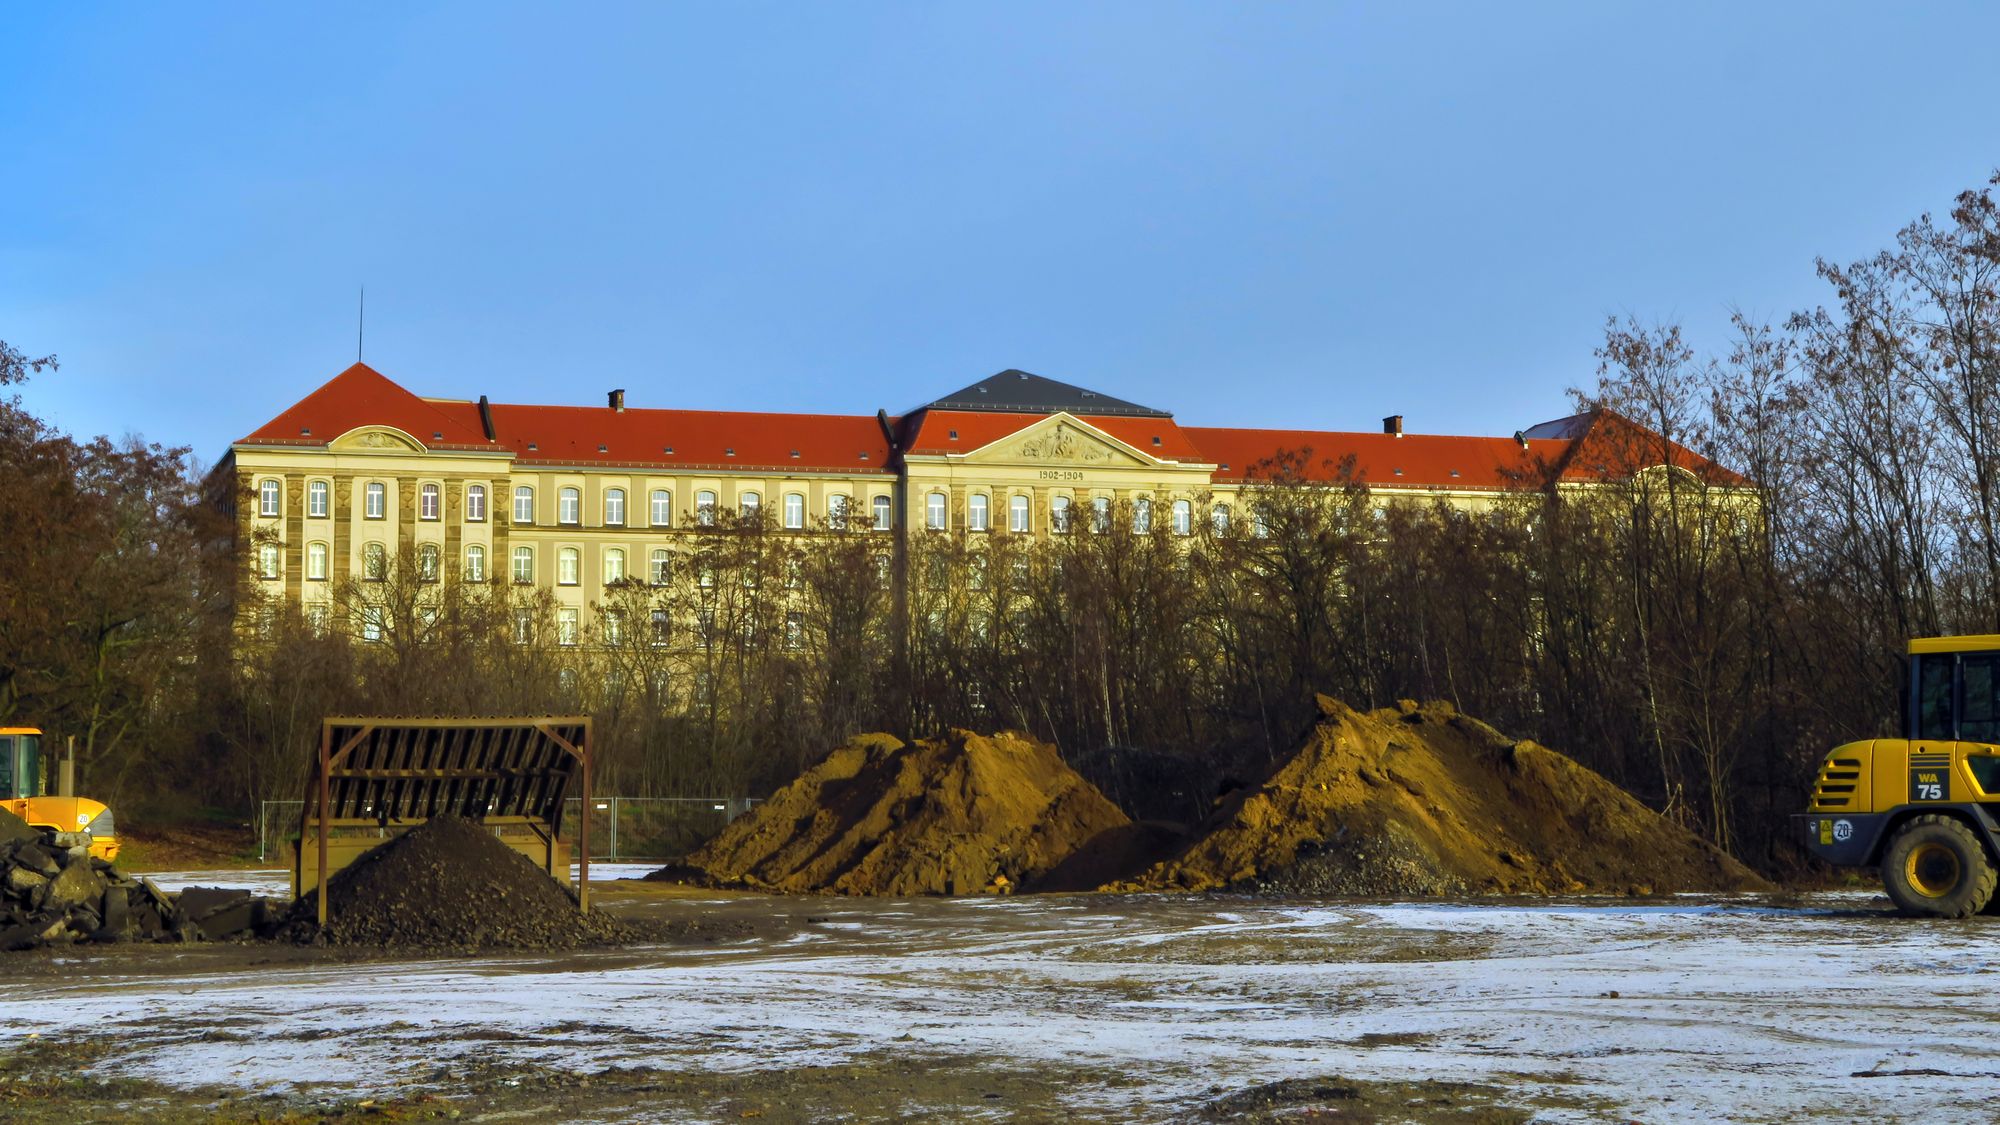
point(24, 792)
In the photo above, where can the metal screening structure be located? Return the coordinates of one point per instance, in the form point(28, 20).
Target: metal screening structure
point(513, 774)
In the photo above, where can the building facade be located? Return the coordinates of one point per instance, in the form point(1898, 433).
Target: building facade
point(570, 499)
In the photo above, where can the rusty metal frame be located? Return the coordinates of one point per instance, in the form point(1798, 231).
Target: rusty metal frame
point(365, 728)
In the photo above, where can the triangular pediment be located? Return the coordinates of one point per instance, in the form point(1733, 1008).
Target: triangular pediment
point(1061, 439)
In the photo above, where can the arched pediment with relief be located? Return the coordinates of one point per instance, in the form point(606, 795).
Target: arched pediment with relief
point(376, 439)
point(1061, 440)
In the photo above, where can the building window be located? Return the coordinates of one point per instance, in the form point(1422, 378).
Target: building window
point(975, 575)
point(268, 495)
point(663, 508)
point(524, 564)
point(475, 503)
point(524, 625)
point(663, 567)
point(524, 504)
point(975, 512)
point(267, 561)
point(569, 506)
point(1142, 516)
point(704, 574)
point(1260, 520)
point(1218, 518)
point(795, 573)
point(569, 566)
point(614, 507)
point(427, 563)
point(375, 502)
point(884, 513)
point(316, 619)
point(836, 511)
point(371, 623)
point(427, 502)
point(566, 624)
point(1100, 514)
point(614, 627)
point(934, 511)
point(704, 508)
point(1017, 513)
point(316, 493)
point(614, 566)
point(316, 561)
point(795, 631)
point(374, 562)
point(795, 510)
point(1183, 518)
point(747, 505)
point(475, 563)
point(663, 627)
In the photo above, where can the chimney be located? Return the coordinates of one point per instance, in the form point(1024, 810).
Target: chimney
point(618, 400)
point(1393, 424)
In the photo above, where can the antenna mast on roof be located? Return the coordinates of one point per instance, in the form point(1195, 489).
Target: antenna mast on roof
point(360, 324)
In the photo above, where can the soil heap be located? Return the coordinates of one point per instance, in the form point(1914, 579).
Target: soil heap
point(1423, 801)
point(962, 814)
point(449, 883)
point(53, 892)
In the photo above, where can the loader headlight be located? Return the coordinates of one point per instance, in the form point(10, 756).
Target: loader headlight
point(82, 820)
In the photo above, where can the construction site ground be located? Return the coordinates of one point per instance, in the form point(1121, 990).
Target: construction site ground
point(1043, 1008)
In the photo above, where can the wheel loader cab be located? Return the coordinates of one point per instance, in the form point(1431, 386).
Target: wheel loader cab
point(24, 792)
point(1924, 807)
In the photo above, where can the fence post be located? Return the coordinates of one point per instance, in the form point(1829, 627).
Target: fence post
point(614, 830)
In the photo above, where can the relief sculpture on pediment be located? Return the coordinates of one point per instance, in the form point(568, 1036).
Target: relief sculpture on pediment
point(1064, 444)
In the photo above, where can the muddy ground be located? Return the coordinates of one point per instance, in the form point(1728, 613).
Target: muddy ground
point(1203, 1008)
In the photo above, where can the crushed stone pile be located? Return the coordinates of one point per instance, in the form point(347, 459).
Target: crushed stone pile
point(962, 814)
point(1422, 801)
point(449, 883)
point(53, 892)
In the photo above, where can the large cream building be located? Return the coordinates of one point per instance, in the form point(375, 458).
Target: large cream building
point(570, 497)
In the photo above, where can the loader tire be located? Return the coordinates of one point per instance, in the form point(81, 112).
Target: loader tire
point(1937, 868)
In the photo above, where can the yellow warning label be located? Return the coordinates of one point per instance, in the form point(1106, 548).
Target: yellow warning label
point(1826, 832)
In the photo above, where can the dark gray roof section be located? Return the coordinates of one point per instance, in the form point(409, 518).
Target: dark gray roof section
point(1566, 428)
point(1019, 392)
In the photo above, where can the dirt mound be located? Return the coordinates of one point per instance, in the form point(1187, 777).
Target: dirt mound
point(956, 815)
point(1423, 801)
point(449, 883)
point(54, 892)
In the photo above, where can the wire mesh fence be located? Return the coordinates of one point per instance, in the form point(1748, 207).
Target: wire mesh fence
point(621, 828)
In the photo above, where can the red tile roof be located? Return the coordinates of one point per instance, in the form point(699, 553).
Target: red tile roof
point(1606, 445)
point(1385, 460)
point(979, 428)
point(363, 396)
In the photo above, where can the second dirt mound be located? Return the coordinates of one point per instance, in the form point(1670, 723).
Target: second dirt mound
point(961, 814)
point(450, 883)
point(1424, 801)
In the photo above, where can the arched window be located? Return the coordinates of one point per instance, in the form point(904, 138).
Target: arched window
point(663, 508)
point(975, 576)
point(475, 563)
point(427, 502)
point(663, 628)
point(316, 494)
point(475, 503)
point(1017, 512)
point(524, 625)
point(663, 567)
point(566, 630)
point(614, 627)
point(375, 501)
point(1142, 516)
point(1260, 520)
point(884, 513)
point(267, 561)
point(747, 506)
point(524, 504)
point(269, 494)
point(316, 557)
point(704, 574)
point(374, 562)
point(975, 512)
point(934, 511)
point(1219, 519)
point(524, 564)
point(1183, 518)
point(795, 510)
point(427, 563)
point(836, 511)
point(614, 565)
point(569, 566)
point(569, 506)
point(1100, 514)
point(614, 507)
point(371, 623)
point(704, 508)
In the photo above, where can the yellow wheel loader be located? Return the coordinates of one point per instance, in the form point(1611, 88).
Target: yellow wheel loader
point(23, 793)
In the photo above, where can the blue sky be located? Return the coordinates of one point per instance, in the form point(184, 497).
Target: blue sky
point(1287, 215)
